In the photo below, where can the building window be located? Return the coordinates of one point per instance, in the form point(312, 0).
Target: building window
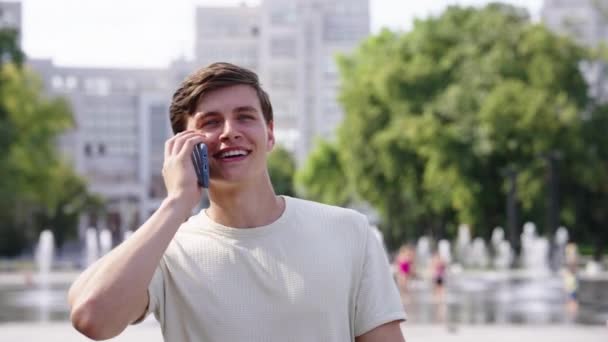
point(282, 79)
point(283, 16)
point(57, 82)
point(283, 47)
point(97, 86)
point(88, 151)
point(71, 82)
point(130, 85)
point(331, 66)
point(101, 148)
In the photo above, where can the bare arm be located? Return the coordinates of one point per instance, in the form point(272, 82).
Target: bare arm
point(389, 332)
point(112, 293)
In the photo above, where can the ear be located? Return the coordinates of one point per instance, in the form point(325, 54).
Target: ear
point(270, 130)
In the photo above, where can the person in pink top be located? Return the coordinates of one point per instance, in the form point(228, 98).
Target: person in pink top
point(404, 267)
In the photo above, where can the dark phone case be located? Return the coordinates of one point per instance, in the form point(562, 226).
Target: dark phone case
point(201, 164)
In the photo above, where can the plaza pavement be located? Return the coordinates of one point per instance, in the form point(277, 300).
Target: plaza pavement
point(149, 331)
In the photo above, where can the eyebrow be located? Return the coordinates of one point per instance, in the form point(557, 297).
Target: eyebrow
point(202, 115)
point(240, 109)
point(245, 109)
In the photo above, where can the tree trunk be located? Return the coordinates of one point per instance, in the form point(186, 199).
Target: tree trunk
point(599, 245)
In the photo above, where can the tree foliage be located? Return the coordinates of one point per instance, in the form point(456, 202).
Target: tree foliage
point(322, 178)
point(37, 189)
point(434, 117)
point(282, 167)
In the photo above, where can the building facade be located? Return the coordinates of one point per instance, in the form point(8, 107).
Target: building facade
point(292, 44)
point(10, 17)
point(585, 21)
point(228, 34)
point(121, 124)
point(121, 115)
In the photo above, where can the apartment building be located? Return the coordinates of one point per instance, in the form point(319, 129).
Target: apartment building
point(586, 21)
point(117, 143)
point(292, 45)
point(121, 114)
point(10, 17)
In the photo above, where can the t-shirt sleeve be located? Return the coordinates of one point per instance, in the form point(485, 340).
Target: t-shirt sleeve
point(378, 301)
point(156, 292)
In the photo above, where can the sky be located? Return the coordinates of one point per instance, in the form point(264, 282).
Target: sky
point(151, 33)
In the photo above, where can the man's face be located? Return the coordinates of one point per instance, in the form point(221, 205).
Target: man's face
point(235, 132)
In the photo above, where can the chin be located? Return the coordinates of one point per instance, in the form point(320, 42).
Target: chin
point(233, 180)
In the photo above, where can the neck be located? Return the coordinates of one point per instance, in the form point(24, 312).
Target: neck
point(246, 205)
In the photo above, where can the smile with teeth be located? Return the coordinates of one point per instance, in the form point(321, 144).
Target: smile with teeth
point(233, 154)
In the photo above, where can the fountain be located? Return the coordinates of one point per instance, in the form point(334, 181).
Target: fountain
point(91, 247)
point(504, 256)
point(44, 257)
point(561, 236)
point(479, 255)
point(534, 251)
point(127, 234)
point(423, 252)
point(559, 255)
point(443, 247)
point(536, 291)
point(42, 300)
point(462, 245)
point(530, 294)
point(105, 241)
point(498, 235)
point(592, 268)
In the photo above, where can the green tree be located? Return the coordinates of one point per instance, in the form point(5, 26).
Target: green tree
point(11, 53)
point(322, 178)
point(38, 190)
point(9, 49)
point(589, 190)
point(281, 167)
point(63, 198)
point(435, 116)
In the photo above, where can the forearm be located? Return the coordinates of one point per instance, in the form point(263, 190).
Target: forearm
point(113, 291)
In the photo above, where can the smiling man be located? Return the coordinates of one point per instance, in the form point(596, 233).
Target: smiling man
point(253, 266)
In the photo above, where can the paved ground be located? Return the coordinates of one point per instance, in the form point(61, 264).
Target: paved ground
point(149, 331)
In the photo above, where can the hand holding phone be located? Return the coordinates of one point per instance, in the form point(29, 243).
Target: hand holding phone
point(201, 164)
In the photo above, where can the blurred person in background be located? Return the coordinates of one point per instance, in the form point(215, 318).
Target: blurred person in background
point(253, 266)
point(570, 279)
point(404, 268)
point(438, 276)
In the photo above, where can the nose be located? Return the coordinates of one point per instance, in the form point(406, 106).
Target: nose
point(230, 131)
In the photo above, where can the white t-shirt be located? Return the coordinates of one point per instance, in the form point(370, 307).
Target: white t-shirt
point(317, 273)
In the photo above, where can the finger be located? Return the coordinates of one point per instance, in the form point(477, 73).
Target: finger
point(180, 141)
point(171, 141)
point(188, 145)
point(168, 147)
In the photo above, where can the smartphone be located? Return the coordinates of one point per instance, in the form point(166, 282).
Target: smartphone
point(201, 164)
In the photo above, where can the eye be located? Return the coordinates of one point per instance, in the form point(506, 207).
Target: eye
point(209, 123)
point(246, 117)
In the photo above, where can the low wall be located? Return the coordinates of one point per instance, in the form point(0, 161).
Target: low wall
point(593, 299)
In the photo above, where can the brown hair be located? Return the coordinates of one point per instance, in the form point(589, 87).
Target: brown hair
point(204, 80)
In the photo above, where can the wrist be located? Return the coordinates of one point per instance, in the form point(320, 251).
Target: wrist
point(177, 204)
